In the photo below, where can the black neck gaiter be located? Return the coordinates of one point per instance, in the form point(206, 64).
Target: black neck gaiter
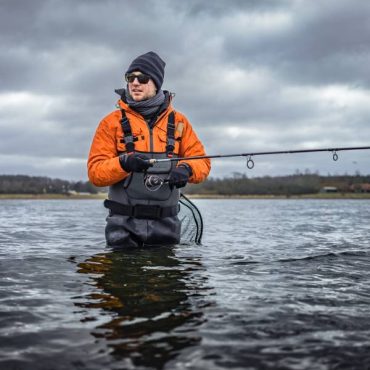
point(148, 107)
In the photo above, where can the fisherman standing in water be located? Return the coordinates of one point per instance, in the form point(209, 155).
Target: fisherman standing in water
point(144, 126)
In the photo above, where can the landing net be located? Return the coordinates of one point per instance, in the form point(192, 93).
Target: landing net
point(191, 222)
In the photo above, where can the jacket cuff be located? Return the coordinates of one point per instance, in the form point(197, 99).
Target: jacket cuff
point(188, 167)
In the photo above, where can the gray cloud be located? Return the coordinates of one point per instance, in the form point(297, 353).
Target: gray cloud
point(263, 75)
point(321, 43)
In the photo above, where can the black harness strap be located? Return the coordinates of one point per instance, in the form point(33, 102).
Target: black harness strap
point(170, 147)
point(128, 138)
point(141, 210)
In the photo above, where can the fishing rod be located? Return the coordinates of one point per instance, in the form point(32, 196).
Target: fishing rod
point(250, 162)
point(153, 182)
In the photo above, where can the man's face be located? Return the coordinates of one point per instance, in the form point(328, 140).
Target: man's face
point(141, 91)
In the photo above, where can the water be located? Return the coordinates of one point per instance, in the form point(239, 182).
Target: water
point(277, 284)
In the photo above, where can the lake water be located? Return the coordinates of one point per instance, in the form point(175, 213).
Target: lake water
point(277, 284)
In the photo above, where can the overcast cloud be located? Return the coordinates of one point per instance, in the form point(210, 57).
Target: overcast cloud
point(250, 75)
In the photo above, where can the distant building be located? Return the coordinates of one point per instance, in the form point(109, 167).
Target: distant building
point(329, 189)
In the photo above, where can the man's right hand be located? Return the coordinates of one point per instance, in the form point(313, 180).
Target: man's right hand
point(134, 162)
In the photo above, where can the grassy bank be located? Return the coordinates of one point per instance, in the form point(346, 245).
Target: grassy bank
point(269, 196)
point(53, 196)
point(196, 196)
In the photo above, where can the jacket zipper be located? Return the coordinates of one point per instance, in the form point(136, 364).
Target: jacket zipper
point(151, 144)
point(150, 127)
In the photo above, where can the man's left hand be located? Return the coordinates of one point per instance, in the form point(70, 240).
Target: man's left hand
point(179, 176)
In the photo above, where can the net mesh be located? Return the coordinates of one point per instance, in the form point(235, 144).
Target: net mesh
point(191, 222)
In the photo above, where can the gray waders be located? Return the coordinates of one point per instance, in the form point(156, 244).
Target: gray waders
point(139, 216)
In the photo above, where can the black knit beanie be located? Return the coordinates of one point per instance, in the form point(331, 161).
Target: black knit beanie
point(150, 64)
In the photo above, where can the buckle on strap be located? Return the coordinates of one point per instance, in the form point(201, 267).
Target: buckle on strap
point(128, 138)
point(144, 211)
point(170, 147)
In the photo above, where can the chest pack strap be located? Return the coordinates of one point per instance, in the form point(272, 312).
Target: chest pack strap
point(128, 138)
point(170, 147)
point(141, 210)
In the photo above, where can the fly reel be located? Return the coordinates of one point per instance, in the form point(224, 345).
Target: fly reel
point(153, 182)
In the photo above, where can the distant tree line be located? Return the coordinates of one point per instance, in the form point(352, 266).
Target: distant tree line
point(296, 184)
point(238, 184)
point(22, 184)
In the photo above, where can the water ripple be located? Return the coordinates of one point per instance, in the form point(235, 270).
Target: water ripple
point(277, 284)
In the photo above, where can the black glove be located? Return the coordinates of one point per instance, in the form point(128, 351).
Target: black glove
point(179, 176)
point(134, 162)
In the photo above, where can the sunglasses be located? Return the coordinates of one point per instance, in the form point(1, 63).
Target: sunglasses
point(143, 79)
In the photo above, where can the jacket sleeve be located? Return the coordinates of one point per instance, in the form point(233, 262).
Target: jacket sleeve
point(103, 164)
point(192, 146)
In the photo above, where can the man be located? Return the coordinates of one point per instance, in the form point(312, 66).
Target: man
point(143, 198)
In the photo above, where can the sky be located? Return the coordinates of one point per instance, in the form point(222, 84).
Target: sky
point(250, 75)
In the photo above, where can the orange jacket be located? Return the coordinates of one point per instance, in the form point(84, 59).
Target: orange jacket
point(103, 164)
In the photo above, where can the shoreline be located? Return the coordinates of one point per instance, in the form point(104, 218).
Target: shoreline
point(103, 196)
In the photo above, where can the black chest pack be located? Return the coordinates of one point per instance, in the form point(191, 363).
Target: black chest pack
point(129, 139)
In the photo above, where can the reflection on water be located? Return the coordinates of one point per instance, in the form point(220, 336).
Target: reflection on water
point(148, 295)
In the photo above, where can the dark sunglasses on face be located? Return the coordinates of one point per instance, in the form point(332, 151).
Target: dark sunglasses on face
point(143, 79)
